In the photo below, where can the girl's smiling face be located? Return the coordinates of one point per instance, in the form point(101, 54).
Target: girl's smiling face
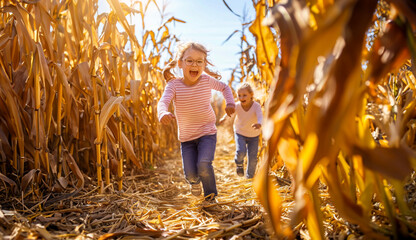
point(192, 64)
point(245, 97)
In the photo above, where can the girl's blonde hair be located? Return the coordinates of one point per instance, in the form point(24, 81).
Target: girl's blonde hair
point(182, 47)
point(245, 85)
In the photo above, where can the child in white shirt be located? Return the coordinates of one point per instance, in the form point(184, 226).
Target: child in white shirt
point(247, 128)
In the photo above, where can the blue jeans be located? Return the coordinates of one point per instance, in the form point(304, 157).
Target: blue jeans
point(197, 157)
point(249, 146)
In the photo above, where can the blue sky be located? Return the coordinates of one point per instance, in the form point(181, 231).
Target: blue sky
point(209, 22)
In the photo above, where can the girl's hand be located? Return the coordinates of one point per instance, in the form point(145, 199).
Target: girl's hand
point(256, 126)
point(230, 110)
point(167, 118)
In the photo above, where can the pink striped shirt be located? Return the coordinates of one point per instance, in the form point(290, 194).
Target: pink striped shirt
point(193, 110)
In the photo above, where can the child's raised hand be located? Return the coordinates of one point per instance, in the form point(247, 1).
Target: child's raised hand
point(230, 110)
point(256, 125)
point(167, 118)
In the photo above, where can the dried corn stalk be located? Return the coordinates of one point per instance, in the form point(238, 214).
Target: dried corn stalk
point(78, 92)
point(318, 120)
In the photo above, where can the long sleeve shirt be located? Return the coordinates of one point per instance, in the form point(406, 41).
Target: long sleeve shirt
point(244, 119)
point(192, 106)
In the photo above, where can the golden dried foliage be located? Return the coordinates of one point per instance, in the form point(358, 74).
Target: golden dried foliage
point(78, 93)
point(332, 75)
point(336, 76)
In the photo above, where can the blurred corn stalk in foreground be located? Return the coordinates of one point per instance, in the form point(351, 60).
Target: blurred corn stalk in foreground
point(341, 111)
point(73, 101)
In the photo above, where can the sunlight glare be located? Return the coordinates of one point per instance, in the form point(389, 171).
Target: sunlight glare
point(153, 15)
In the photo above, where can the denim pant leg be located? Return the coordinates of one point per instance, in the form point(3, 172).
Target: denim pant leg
point(189, 151)
point(253, 148)
point(240, 149)
point(206, 152)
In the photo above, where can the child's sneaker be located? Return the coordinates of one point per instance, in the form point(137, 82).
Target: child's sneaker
point(196, 189)
point(240, 170)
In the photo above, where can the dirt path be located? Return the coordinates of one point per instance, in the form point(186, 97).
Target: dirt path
point(156, 204)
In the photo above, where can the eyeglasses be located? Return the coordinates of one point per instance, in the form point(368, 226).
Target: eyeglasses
point(190, 62)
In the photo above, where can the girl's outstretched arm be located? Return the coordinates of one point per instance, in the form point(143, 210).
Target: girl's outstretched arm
point(163, 113)
point(226, 92)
